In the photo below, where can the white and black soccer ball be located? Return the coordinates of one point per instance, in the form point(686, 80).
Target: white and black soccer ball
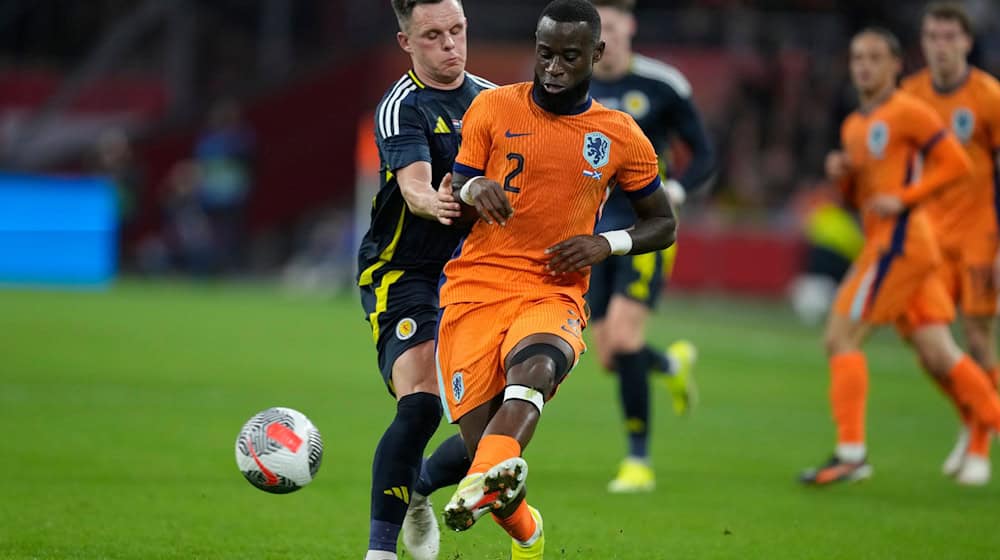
point(279, 450)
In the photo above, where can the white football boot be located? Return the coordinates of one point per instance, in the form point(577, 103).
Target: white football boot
point(421, 535)
point(975, 471)
point(953, 464)
point(481, 493)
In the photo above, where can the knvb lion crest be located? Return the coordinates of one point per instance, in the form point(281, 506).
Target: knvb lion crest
point(596, 149)
point(458, 386)
point(878, 139)
point(963, 122)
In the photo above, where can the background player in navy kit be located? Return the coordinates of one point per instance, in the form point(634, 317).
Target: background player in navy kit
point(624, 288)
point(417, 129)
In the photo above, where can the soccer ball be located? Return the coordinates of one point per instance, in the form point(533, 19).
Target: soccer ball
point(279, 450)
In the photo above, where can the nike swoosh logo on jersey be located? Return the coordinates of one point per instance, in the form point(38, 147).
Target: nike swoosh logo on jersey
point(510, 134)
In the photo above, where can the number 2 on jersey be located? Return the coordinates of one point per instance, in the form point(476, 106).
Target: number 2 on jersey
point(518, 168)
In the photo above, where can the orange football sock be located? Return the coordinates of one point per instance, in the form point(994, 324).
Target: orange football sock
point(979, 434)
point(493, 449)
point(520, 525)
point(995, 376)
point(848, 392)
point(974, 389)
point(979, 439)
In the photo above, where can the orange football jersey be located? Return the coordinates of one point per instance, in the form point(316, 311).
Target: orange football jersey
point(557, 171)
point(972, 110)
point(901, 148)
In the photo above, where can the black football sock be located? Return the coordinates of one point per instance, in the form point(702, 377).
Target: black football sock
point(634, 391)
point(446, 466)
point(658, 361)
point(396, 465)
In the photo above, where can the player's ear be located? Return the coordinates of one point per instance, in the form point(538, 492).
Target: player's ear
point(598, 52)
point(404, 42)
point(632, 26)
point(969, 43)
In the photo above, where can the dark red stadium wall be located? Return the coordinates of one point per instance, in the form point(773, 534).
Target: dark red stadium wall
point(735, 260)
point(306, 137)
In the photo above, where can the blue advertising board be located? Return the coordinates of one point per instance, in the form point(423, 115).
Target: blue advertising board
point(57, 230)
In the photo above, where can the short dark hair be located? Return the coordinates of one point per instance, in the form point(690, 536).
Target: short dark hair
point(404, 9)
point(950, 11)
point(627, 6)
point(573, 11)
point(895, 47)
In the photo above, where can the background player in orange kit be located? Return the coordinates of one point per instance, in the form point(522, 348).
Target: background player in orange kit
point(968, 100)
point(894, 278)
point(537, 162)
point(625, 289)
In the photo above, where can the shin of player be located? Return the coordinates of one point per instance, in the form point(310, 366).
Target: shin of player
point(968, 100)
point(893, 280)
point(512, 297)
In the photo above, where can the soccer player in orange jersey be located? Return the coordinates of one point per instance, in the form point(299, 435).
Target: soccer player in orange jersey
point(537, 162)
point(968, 100)
point(897, 154)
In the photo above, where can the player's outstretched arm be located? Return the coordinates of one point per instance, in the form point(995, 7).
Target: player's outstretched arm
point(485, 195)
point(421, 198)
point(945, 163)
point(655, 229)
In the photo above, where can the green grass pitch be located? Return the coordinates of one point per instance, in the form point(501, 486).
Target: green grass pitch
point(119, 412)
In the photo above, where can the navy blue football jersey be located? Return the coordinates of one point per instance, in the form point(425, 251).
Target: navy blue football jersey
point(658, 97)
point(414, 123)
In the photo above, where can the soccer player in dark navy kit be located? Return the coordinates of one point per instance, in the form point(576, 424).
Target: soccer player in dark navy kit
point(623, 289)
point(418, 128)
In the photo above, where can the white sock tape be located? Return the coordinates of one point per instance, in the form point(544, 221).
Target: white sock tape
point(620, 241)
point(524, 393)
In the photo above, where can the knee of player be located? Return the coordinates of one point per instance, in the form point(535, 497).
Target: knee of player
point(623, 342)
point(537, 372)
point(937, 359)
point(835, 343)
point(539, 367)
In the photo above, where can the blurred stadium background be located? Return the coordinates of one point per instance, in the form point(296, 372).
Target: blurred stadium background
point(223, 145)
point(230, 129)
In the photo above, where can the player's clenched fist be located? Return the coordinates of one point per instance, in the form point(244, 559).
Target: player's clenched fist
point(446, 209)
point(577, 253)
point(488, 198)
